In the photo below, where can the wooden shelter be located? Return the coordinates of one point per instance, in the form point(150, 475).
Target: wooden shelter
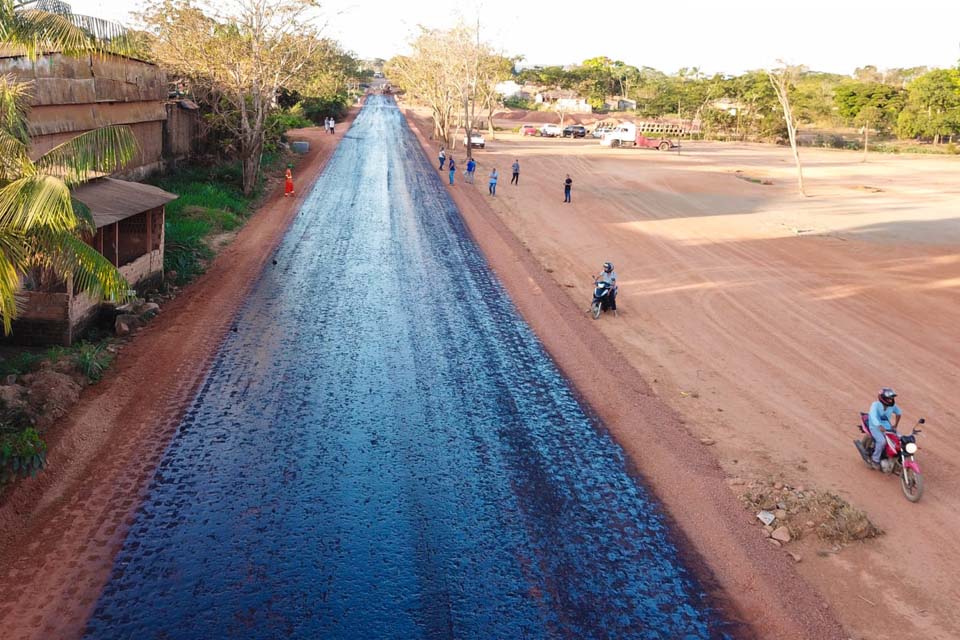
point(129, 217)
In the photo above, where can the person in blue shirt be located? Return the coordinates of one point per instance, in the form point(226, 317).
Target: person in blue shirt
point(471, 167)
point(453, 169)
point(878, 420)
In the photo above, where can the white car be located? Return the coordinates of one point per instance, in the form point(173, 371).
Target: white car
point(551, 131)
point(476, 140)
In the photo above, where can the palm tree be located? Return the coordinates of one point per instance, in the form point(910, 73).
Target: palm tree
point(41, 225)
point(35, 27)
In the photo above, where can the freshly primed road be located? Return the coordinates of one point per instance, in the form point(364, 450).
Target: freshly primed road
point(383, 450)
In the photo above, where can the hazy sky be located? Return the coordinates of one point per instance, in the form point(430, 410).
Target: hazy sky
point(717, 36)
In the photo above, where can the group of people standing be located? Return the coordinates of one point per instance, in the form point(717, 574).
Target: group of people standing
point(329, 124)
point(471, 169)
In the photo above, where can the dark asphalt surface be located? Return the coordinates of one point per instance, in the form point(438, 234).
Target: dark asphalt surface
point(384, 451)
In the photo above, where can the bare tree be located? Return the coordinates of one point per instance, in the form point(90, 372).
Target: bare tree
point(434, 74)
point(781, 79)
point(243, 52)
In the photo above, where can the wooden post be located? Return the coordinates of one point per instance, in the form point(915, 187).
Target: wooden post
point(116, 244)
point(150, 231)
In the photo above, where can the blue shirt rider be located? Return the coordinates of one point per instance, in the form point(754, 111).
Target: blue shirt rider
point(878, 420)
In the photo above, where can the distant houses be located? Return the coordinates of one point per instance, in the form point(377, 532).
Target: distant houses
point(564, 100)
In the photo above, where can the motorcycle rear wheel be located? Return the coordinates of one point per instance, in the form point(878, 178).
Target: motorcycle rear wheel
point(912, 484)
point(867, 442)
point(596, 309)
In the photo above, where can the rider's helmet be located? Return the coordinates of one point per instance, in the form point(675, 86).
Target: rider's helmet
point(607, 267)
point(887, 397)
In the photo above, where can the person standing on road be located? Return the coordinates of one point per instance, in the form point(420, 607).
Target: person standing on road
point(493, 182)
point(288, 185)
point(567, 184)
point(471, 168)
point(333, 125)
point(516, 173)
point(453, 170)
point(442, 157)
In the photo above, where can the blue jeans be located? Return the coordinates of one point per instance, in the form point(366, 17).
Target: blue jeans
point(451, 177)
point(880, 442)
point(566, 195)
point(442, 160)
point(493, 188)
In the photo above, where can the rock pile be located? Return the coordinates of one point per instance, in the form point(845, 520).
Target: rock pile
point(133, 315)
point(789, 512)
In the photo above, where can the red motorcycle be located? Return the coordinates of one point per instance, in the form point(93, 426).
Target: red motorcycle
point(897, 456)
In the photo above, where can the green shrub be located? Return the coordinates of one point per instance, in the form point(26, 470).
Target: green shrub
point(22, 453)
point(516, 102)
point(20, 363)
point(92, 359)
point(185, 251)
point(279, 122)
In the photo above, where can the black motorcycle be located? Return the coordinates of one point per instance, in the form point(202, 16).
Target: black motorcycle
point(602, 298)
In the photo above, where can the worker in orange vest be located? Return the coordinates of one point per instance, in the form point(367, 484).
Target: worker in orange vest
point(288, 188)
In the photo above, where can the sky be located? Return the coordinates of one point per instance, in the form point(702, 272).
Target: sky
point(718, 37)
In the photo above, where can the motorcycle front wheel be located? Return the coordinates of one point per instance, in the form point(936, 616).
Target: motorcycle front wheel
point(596, 309)
point(912, 484)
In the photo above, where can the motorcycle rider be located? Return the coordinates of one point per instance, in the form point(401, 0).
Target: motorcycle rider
point(878, 420)
point(610, 277)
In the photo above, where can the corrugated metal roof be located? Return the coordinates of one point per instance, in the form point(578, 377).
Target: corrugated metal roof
point(110, 200)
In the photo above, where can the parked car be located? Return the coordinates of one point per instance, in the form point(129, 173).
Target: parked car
point(574, 131)
point(551, 130)
point(476, 140)
point(528, 129)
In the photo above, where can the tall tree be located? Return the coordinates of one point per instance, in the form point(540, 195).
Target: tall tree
point(434, 74)
point(868, 104)
point(933, 106)
point(241, 53)
point(781, 80)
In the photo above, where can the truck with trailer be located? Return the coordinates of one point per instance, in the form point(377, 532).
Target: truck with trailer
point(628, 134)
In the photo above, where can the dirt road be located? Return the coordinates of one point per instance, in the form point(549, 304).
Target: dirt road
point(60, 532)
point(769, 321)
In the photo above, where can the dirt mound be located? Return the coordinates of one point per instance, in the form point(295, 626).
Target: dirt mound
point(50, 394)
point(807, 511)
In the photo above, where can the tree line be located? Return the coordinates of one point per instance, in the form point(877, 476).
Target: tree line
point(915, 102)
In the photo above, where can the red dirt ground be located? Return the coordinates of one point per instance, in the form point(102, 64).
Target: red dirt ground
point(766, 321)
point(60, 532)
